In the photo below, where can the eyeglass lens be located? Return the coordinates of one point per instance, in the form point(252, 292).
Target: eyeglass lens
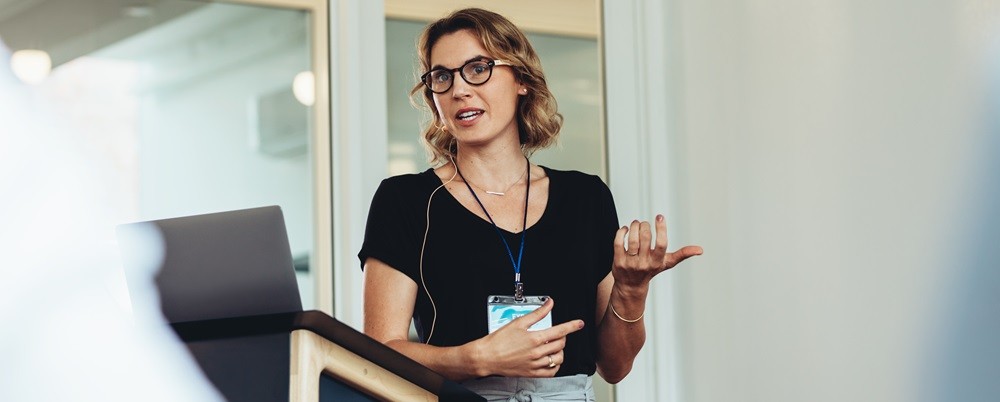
point(475, 72)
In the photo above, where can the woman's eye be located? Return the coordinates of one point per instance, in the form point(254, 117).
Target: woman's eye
point(442, 77)
point(479, 68)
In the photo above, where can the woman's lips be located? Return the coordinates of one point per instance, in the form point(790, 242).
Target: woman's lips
point(468, 116)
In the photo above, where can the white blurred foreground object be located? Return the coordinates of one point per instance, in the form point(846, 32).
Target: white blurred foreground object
point(64, 335)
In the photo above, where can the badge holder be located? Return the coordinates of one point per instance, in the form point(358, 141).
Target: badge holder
point(501, 310)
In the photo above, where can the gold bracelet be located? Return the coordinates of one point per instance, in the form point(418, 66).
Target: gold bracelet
point(623, 318)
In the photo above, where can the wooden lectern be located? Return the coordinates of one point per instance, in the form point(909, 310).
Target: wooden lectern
point(227, 287)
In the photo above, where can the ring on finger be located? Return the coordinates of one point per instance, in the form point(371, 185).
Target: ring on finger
point(552, 363)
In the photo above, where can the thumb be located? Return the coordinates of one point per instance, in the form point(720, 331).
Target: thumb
point(537, 315)
point(680, 255)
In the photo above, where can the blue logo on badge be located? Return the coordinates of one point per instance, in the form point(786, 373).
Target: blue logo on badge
point(508, 313)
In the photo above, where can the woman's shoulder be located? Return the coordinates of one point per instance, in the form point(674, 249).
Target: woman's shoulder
point(409, 182)
point(574, 179)
point(403, 194)
point(579, 188)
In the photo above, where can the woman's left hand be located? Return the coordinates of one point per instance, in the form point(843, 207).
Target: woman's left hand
point(635, 265)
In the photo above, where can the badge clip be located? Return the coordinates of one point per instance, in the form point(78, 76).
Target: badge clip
point(519, 291)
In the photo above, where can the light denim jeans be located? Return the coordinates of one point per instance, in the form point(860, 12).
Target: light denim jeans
point(579, 387)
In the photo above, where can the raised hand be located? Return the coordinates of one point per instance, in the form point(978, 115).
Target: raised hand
point(635, 265)
point(513, 351)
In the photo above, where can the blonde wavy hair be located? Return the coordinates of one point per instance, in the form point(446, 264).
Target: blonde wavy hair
point(538, 118)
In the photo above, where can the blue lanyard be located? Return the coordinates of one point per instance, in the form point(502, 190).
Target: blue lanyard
point(518, 286)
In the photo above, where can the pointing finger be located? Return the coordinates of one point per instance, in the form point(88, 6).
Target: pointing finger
point(527, 320)
point(561, 330)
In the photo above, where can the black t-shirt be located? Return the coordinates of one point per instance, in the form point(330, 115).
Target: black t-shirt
point(566, 255)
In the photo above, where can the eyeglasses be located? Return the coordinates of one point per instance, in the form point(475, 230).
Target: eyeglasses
point(475, 72)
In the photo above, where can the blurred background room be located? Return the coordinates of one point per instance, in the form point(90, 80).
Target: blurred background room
point(839, 161)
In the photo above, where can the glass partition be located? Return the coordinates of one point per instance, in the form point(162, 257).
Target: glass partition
point(200, 106)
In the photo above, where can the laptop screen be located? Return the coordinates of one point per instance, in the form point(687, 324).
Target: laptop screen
point(220, 265)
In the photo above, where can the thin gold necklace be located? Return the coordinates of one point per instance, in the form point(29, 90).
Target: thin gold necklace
point(500, 193)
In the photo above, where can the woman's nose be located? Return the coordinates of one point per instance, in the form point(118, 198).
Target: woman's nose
point(460, 88)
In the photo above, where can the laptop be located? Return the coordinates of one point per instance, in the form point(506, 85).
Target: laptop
point(219, 265)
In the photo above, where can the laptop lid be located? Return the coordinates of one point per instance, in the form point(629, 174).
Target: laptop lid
point(220, 265)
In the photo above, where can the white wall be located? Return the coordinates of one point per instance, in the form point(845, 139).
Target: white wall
point(823, 153)
point(358, 140)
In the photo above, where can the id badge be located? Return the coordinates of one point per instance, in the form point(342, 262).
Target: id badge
point(501, 310)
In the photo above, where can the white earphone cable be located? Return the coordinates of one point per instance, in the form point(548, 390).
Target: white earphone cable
point(423, 244)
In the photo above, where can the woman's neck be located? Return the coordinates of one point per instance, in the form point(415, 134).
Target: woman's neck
point(491, 169)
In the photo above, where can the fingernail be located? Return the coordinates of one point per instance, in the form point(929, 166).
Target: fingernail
point(659, 218)
point(579, 324)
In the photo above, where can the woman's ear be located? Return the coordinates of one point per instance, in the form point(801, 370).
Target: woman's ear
point(523, 90)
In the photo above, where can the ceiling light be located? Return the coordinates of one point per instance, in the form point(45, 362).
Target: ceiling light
point(304, 88)
point(31, 66)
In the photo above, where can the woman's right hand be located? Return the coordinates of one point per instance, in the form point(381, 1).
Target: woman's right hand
point(513, 351)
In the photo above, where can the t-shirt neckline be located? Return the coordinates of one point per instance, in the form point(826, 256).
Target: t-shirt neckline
point(545, 212)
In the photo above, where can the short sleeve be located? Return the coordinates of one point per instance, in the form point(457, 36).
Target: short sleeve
point(606, 226)
point(393, 228)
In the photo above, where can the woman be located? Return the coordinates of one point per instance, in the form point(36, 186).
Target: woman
point(444, 246)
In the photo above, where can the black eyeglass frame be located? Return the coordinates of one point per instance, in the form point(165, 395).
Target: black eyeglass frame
point(461, 71)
